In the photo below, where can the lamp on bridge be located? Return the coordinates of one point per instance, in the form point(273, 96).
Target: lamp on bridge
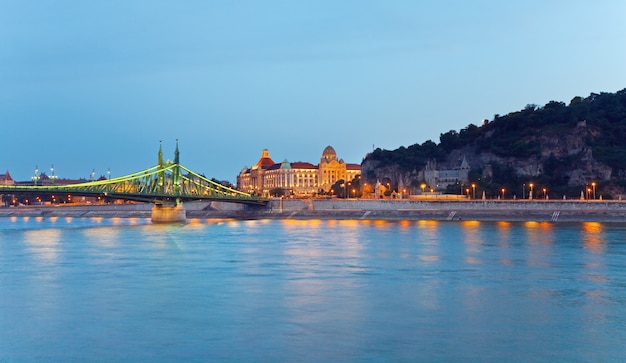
point(36, 176)
point(52, 176)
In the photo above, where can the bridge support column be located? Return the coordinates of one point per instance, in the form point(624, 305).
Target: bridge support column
point(169, 213)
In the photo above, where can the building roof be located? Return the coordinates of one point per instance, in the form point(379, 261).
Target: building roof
point(265, 161)
point(302, 165)
point(6, 176)
point(273, 167)
point(353, 166)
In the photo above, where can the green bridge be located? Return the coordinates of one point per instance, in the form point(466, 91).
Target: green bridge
point(167, 185)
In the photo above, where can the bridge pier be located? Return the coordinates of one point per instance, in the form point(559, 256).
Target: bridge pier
point(169, 213)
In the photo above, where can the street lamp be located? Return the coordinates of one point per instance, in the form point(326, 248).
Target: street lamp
point(423, 186)
point(523, 191)
point(545, 195)
point(530, 196)
point(473, 191)
point(503, 190)
point(52, 176)
point(467, 192)
point(35, 176)
point(593, 184)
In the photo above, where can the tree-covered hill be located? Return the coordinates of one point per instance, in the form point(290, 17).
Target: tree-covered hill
point(562, 146)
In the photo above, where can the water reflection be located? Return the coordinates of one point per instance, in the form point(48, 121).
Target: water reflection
point(504, 242)
point(429, 239)
point(472, 240)
point(102, 237)
point(541, 236)
point(593, 237)
point(44, 243)
point(539, 232)
point(318, 289)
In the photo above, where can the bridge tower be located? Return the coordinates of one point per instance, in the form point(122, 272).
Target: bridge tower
point(176, 171)
point(164, 213)
point(161, 175)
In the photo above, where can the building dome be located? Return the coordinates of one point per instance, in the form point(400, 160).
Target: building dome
point(285, 164)
point(329, 153)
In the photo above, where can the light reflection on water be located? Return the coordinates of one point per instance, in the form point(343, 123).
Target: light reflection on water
point(312, 290)
point(44, 243)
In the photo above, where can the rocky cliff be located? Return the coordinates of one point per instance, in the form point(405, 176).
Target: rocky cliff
point(562, 148)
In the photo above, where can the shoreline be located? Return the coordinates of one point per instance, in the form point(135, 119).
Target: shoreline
point(391, 210)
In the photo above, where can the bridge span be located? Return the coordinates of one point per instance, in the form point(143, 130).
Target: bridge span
point(167, 186)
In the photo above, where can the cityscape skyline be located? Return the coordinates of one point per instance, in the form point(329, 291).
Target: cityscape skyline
point(93, 87)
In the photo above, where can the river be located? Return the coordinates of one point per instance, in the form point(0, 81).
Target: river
point(99, 289)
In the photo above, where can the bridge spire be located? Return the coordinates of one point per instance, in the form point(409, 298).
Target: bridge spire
point(160, 155)
point(176, 154)
point(161, 174)
point(176, 171)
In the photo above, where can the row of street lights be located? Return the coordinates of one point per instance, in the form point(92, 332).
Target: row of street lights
point(36, 176)
point(591, 192)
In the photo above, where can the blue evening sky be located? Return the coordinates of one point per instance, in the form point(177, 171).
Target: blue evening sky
point(90, 85)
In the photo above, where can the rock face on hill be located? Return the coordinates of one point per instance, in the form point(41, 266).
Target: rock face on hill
point(561, 148)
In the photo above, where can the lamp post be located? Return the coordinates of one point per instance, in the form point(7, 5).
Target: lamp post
point(545, 194)
point(593, 184)
point(523, 191)
point(473, 191)
point(53, 177)
point(503, 190)
point(36, 175)
point(530, 196)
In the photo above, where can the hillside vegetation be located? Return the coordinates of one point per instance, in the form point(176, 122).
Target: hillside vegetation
point(563, 147)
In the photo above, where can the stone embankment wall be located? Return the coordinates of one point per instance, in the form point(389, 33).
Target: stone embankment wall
point(399, 205)
point(520, 210)
point(487, 210)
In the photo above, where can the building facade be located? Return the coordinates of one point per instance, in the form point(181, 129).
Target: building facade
point(6, 179)
point(297, 178)
point(440, 179)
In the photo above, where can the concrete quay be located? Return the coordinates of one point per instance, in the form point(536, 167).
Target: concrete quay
point(359, 209)
point(483, 210)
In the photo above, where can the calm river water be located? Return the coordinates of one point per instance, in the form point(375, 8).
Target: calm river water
point(280, 290)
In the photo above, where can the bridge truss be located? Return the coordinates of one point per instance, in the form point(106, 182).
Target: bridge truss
point(164, 184)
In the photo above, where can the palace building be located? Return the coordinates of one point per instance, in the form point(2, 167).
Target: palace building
point(297, 178)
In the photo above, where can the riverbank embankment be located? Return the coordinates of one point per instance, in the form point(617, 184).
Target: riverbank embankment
point(484, 210)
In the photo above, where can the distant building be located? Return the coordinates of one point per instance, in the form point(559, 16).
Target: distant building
point(6, 179)
point(439, 179)
point(298, 178)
